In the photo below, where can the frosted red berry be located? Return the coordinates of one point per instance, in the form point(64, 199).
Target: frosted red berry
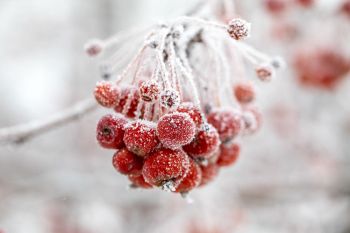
point(209, 173)
point(126, 162)
point(149, 91)
point(110, 131)
point(265, 72)
point(175, 130)
point(106, 94)
point(193, 111)
point(138, 181)
point(140, 137)
point(204, 144)
point(192, 178)
point(129, 99)
point(165, 165)
point(94, 47)
point(227, 122)
point(228, 154)
point(244, 92)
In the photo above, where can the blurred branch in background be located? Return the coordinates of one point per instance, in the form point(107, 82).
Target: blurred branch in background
point(23, 132)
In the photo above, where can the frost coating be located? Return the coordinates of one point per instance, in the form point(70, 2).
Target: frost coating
point(175, 130)
point(110, 131)
point(165, 165)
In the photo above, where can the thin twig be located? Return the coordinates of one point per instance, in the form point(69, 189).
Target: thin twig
point(23, 132)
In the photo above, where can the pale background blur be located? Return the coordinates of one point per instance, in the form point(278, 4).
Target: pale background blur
point(293, 176)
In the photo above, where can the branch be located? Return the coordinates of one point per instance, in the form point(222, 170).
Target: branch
point(23, 132)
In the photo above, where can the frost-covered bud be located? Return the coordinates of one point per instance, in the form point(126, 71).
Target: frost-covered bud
point(93, 47)
point(149, 91)
point(238, 29)
point(170, 98)
point(265, 72)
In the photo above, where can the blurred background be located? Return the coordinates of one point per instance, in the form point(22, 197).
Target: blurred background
point(292, 176)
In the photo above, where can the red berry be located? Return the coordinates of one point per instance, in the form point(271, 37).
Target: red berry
point(192, 178)
point(321, 67)
point(129, 99)
point(193, 111)
point(205, 143)
point(126, 162)
point(138, 181)
point(110, 131)
point(106, 94)
point(265, 72)
point(229, 154)
point(149, 91)
point(227, 122)
point(275, 6)
point(238, 29)
point(140, 137)
point(165, 165)
point(94, 47)
point(175, 130)
point(345, 8)
point(305, 3)
point(209, 173)
point(244, 92)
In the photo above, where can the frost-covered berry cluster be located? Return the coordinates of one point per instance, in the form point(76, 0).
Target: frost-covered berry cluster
point(175, 122)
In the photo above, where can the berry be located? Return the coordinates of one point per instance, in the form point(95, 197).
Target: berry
point(126, 162)
point(321, 68)
point(227, 122)
point(275, 6)
point(238, 29)
point(345, 8)
point(265, 72)
point(110, 131)
point(149, 91)
point(94, 47)
point(140, 137)
point(193, 111)
point(106, 94)
point(192, 178)
point(205, 143)
point(175, 130)
point(138, 181)
point(252, 120)
point(244, 92)
point(131, 97)
point(165, 166)
point(209, 172)
point(305, 3)
point(229, 154)
point(170, 98)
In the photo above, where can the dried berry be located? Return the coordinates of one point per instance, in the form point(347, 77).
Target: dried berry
point(127, 163)
point(238, 29)
point(106, 94)
point(227, 122)
point(110, 131)
point(175, 130)
point(204, 144)
point(265, 72)
point(165, 167)
point(228, 154)
point(170, 98)
point(140, 137)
